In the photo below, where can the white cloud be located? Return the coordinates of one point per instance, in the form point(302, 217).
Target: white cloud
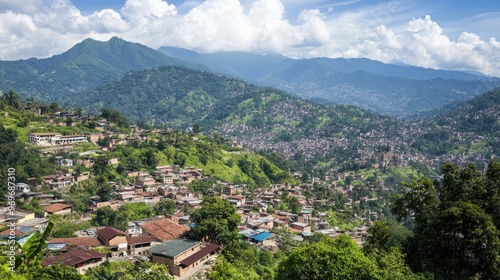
point(46, 27)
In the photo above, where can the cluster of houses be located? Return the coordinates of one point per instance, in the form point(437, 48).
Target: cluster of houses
point(161, 239)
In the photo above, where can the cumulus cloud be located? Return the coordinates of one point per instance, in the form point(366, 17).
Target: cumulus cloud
point(46, 27)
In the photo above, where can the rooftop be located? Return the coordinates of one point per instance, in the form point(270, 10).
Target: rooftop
point(83, 241)
point(164, 229)
point(56, 207)
point(262, 236)
point(33, 222)
point(174, 248)
point(73, 257)
point(209, 248)
point(108, 233)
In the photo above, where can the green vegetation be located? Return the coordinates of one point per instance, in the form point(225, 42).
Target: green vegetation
point(216, 221)
point(84, 66)
point(455, 232)
point(338, 259)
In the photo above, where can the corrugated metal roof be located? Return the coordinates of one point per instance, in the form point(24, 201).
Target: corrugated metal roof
point(173, 248)
point(55, 247)
point(209, 248)
point(261, 237)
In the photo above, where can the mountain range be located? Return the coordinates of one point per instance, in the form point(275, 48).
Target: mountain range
point(393, 90)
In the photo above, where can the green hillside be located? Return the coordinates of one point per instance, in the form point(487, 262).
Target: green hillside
point(468, 127)
point(82, 67)
point(213, 154)
point(181, 97)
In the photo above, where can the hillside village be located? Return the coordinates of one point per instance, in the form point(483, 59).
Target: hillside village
point(367, 147)
point(260, 225)
point(346, 199)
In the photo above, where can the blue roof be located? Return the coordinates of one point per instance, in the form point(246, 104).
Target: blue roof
point(262, 236)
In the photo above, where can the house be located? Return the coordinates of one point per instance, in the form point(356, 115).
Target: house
point(17, 233)
point(86, 242)
point(163, 229)
point(96, 203)
point(83, 176)
point(57, 181)
point(63, 161)
point(262, 238)
point(167, 178)
point(38, 223)
point(79, 258)
point(39, 138)
point(303, 227)
point(139, 245)
point(16, 215)
point(182, 255)
point(146, 181)
point(58, 209)
point(22, 187)
point(115, 239)
point(237, 200)
point(67, 139)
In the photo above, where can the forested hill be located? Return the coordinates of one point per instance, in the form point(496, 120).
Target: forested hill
point(84, 66)
point(477, 120)
point(181, 97)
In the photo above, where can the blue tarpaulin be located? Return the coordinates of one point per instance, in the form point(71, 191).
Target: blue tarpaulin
point(262, 236)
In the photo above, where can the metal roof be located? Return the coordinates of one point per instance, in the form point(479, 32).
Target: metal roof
point(174, 248)
point(209, 248)
point(261, 237)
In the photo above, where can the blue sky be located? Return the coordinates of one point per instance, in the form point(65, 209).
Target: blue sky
point(445, 34)
point(454, 16)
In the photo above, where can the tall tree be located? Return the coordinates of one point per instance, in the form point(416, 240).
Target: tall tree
point(328, 260)
point(216, 221)
point(454, 236)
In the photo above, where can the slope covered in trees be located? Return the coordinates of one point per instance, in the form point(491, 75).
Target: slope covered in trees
point(82, 67)
point(477, 120)
point(180, 97)
point(455, 223)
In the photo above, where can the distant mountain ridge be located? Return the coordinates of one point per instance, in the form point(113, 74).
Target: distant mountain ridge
point(84, 66)
point(395, 90)
point(181, 97)
point(266, 118)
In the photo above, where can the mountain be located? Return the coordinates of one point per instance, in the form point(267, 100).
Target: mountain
point(181, 97)
point(395, 90)
point(82, 67)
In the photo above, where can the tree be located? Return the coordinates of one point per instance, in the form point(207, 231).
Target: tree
point(101, 167)
point(216, 221)
point(196, 128)
point(165, 207)
point(104, 192)
point(126, 271)
point(58, 271)
point(149, 159)
point(33, 248)
point(454, 235)
point(54, 107)
point(464, 244)
point(327, 260)
point(379, 237)
point(11, 99)
point(106, 216)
